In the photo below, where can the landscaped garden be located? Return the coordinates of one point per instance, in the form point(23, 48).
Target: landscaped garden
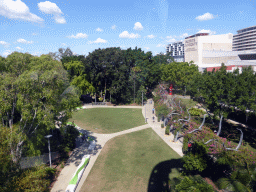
point(138, 161)
point(225, 158)
point(108, 120)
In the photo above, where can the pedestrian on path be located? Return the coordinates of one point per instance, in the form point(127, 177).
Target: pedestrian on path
point(153, 119)
point(153, 110)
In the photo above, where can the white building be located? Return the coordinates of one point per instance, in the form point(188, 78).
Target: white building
point(245, 39)
point(177, 51)
point(209, 50)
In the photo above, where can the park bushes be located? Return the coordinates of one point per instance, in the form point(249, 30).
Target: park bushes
point(36, 179)
point(167, 130)
point(193, 183)
point(196, 112)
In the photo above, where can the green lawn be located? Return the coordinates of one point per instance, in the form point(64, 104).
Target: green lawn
point(138, 161)
point(108, 120)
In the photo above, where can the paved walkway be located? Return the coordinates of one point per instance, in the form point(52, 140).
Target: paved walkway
point(101, 139)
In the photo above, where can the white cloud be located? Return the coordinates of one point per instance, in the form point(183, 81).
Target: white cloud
point(4, 43)
point(138, 26)
point(161, 45)
point(34, 33)
point(63, 44)
point(99, 29)
point(184, 35)
point(126, 35)
point(17, 10)
point(171, 40)
point(19, 48)
point(150, 36)
point(113, 27)
point(24, 41)
point(204, 17)
point(207, 31)
point(6, 53)
point(59, 19)
point(36, 53)
point(99, 40)
point(147, 48)
point(48, 7)
point(79, 36)
point(169, 37)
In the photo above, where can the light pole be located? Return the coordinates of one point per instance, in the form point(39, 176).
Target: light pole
point(145, 113)
point(145, 110)
point(142, 98)
point(48, 136)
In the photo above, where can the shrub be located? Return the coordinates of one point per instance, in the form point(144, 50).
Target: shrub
point(197, 160)
point(196, 112)
point(34, 179)
point(195, 183)
point(167, 130)
point(162, 125)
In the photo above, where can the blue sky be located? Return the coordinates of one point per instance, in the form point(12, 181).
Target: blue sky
point(40, 27)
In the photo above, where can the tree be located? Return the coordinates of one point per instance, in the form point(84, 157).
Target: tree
point(178, 74)
point(38, 89)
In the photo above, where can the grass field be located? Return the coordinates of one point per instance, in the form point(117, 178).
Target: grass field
point(108, 120)
point(138, 161)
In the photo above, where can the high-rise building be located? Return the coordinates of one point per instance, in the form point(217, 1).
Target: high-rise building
point(245, 39)
point(177, 51)
point(245, 44)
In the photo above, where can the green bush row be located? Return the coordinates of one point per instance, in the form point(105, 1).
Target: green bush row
point(196, 112)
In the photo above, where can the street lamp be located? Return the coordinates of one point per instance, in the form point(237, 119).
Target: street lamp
point(145, 110)
point(142, 98)
point(48, 136)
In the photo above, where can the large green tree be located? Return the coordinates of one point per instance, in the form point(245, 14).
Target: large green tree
point(179, 74)
point(34, 90)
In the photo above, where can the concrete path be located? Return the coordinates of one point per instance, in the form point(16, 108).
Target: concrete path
point(101, 139)
point(156, 126)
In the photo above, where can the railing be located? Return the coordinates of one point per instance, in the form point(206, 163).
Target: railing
point(27, 162)
point(99, 103)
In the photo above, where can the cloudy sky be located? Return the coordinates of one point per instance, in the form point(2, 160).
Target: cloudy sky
point(40, 27)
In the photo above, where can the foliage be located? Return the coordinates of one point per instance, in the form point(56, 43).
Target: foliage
point(179, 74)
point(34, 179)
point(8, 168)
point(221, 89)
point(193, 183)
point(197, 160)
point(196, 112)
point(33, 91)
point(167, 130)
point(69, 136)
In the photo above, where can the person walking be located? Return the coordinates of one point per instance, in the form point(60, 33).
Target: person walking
point(153, 110)
point(153, 119)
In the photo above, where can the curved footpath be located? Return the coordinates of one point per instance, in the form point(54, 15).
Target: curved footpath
point(101, 139)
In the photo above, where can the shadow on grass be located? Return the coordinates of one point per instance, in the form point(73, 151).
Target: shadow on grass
point(159, 177)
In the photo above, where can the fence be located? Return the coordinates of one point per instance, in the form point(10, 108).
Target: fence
point(27, 162)
point(99, 103)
